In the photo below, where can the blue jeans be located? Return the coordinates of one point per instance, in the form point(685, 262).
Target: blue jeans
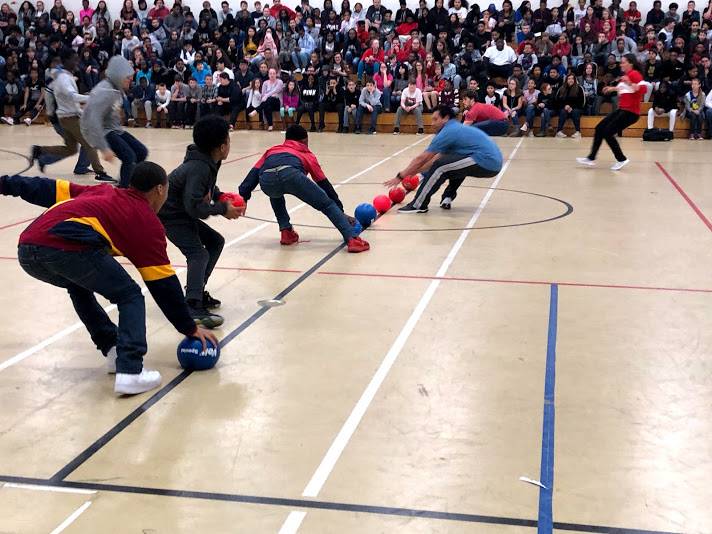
point(708, 116)
point(82, 165)
point(94, 271)
point(374, 116)
point(696, 120)
point(533, 111)
point(493, 128)
point(300, 59)
point(129, 150)
point(386, 99)
point(291, 181)
point(368, 68)
point(574, 115)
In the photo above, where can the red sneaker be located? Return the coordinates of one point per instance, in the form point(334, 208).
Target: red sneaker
point(356, 244)
point(289, 237)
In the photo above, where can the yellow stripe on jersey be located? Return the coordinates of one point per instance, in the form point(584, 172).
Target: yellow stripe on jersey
point(62, 191)
point(96, 225)
point(157, 272)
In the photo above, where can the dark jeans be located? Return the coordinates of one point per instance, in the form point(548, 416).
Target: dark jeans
point(500, 71)
point(191, 110)
point(201, 246)
point(269, 106)
point(452, 167)
point(310, 109)
point(31, 109)
point(533, 111)
point(696, 120)
point(374, 117)
point(331, 107)
point(176, 112)
point(574, 115)
point(82, 165)
point(493, 128)
point(290, 181)
point(607, 129)
point(94, 271)
point(129, 150)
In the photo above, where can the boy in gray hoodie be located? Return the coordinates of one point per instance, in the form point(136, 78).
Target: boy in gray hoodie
point(101, 122)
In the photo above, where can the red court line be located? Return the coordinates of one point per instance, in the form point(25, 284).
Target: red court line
point(450, 278)
point(684, 195)
point(18, 223)
point(242, 157)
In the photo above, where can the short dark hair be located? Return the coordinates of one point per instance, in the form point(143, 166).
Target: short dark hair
point(446, 112)
point(210, 132)
point(67, 54)
point(147, 175)
point(472, 95)
point(295, 132)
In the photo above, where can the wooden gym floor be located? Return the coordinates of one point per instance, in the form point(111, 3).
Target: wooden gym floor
point(566, 339)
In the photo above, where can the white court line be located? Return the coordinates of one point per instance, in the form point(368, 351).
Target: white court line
point(76, 326)
point(52, 489)
point(318, 479)
point(72, 518)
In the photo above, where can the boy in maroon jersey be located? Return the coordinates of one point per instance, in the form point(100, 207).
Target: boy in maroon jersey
point(71, 246)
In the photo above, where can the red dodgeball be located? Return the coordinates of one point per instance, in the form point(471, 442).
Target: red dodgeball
point(234, 198)
point(397, 195)
point(382, 203)
point(410, 182)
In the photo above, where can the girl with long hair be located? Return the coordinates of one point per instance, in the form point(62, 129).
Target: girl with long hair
point(630, 91)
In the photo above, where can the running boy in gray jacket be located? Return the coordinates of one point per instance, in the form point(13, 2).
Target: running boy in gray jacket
point(101, 122)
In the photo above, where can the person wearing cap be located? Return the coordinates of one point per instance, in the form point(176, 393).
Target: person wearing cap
point(282, 170)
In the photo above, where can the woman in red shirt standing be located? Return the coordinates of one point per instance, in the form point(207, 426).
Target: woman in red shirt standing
point(630, 90)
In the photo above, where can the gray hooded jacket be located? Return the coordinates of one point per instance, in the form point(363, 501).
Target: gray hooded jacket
point(102, 112)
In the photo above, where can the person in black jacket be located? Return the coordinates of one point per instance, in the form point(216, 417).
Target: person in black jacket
point(664, 104)
point(229, 98)
point(308, 99)
point(570, 101)
point(193, 195)
point(332, 100)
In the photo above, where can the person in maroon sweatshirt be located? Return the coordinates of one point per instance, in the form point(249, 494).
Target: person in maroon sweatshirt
point(282, 170)
point(72, 245)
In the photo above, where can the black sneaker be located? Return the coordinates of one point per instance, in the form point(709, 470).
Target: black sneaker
point(446, 203)
point(357, 131)
point(420, 131)
point(203, 317)
point(103, 177)
point(80, 172)
point(409, 208)
point(396, 131)
point(35, 157)
point(210, 303)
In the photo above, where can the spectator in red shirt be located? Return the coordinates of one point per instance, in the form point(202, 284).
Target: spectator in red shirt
point(370, 60)
point(486, 117)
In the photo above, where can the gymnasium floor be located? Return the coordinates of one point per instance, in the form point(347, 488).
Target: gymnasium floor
point(565, 339)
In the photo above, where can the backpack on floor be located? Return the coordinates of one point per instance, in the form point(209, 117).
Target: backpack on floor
point(657, 134)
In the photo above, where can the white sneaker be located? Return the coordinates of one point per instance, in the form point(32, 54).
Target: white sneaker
point(253, 114)
point(8, 120)
point(576, 135)
point(586, 161)
point(111, 361)
point(127, 384)
point(560, 134)
point(27, 121)
point(531, 133)
point(446, 203)
point(618, 165)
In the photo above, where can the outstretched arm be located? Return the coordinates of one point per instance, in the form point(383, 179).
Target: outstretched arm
point(249, 184)
point(43, 192)
point(421, 163)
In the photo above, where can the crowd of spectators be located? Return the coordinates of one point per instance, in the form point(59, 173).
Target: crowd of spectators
point(508, 65)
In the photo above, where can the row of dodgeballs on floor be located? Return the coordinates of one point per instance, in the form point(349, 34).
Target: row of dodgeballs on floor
point(191, 355)
point(367, 213)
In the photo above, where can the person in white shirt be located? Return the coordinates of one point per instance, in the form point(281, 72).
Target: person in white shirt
point(500, 60)
point(128, 43)
point(457, 7)
point(411, 102)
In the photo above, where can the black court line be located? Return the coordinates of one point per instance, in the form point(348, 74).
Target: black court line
point(165, 390)
point(324, 505)
point(23, 156)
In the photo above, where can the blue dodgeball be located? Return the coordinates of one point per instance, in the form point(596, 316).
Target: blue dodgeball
point(192, 357)
point(365, 214)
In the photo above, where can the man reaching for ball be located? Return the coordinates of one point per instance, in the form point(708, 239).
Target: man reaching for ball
point(71, 246)
point(282, 170)
point(456, 152)
point(194, 195)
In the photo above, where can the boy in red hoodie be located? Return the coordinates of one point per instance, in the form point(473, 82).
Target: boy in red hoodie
point(282, 170)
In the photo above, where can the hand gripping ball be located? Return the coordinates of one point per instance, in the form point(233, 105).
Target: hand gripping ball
point(192, 357)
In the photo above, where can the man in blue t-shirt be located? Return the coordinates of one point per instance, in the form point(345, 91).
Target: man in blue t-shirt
point(456, 152)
